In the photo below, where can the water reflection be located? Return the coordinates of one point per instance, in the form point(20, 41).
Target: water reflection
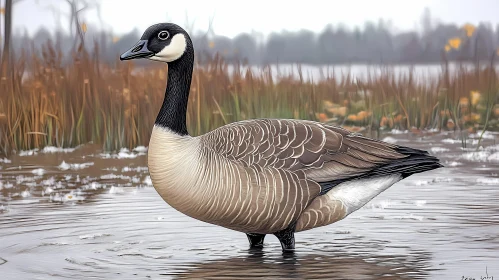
point(319, 265)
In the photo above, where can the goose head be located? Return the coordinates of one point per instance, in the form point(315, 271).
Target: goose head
point(164, 42)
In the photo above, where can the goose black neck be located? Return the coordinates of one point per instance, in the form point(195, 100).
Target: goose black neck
point(172, 114)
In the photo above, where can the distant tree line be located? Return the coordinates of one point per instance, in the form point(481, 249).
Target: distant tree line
point(374, 43)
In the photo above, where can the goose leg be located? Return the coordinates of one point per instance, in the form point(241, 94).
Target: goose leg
point(287, 238)
point(255, 239)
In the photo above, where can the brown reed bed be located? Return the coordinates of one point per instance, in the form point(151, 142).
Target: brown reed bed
point(44, 103)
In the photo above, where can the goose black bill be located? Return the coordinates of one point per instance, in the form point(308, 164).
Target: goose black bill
point(140, 50)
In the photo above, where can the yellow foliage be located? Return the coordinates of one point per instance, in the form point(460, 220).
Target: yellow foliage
point(352, 118)
point(447, 48)
point(471, 129)
point(328, 104)
point(84, 27)
point(473, 117)
point(362, 115)
point(211, 44)
point(475, 97)
point(116, 39)
point(386, 122)
point(339, 111)
point(334, 108)
point(2, 11)
point(470, 29)
point(464, 101)
point(321, 117)
point(455, 42)
point(398, 118)
point(383, 122)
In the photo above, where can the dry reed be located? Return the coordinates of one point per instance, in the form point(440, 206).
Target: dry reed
point(45, 103)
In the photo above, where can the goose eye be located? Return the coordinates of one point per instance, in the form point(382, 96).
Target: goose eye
point(163, 35)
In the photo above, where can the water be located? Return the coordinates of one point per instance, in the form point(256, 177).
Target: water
point(85, 215)
point(421, 72)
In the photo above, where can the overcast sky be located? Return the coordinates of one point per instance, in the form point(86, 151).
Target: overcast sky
point(234, 17)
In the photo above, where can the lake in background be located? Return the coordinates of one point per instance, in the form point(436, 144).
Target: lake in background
point(360, 71)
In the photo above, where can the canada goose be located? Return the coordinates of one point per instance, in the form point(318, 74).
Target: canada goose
point(262, 176)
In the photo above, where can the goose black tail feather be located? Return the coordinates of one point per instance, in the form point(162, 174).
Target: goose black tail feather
point(416, 161)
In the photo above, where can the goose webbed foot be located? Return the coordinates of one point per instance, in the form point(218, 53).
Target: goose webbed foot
point(255, 240)
point(287, 238)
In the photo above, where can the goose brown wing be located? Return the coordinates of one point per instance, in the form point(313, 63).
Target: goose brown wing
point(326, 154)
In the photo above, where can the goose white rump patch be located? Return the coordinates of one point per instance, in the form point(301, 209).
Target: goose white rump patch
point(173, 51)
point(355, 194)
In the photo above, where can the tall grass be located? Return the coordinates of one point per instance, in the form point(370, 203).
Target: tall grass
point(45, 103)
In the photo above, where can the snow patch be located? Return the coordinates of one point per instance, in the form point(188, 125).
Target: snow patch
point(490, 154)
point(74, 166)
point(134, 169)
point(148, 181)
point(124, 153)
point(114, 176)
point(38, 171)
point(438, 150)
point(46, 150)
point(486, 135)
point(28, 153)
point(390, 140)
point(451, 141)
point(25, 194)
point(140, 149)
point(52, 149)
point(397, 131)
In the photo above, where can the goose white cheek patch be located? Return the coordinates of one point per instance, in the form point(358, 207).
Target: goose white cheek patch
point(173, 51)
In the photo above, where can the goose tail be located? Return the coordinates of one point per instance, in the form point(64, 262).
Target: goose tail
point(416, 161)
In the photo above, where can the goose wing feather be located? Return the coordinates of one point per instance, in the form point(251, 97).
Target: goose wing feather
point(324, 153)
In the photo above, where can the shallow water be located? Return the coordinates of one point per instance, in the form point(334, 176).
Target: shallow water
point(85, 215)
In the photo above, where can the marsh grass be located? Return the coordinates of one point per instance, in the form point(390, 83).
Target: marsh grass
point(45, 102)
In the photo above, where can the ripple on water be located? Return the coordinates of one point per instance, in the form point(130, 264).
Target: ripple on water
point(100, 218)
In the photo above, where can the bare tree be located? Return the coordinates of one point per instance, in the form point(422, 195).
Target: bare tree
point(7, 35)
point(6, 53)
point(76, 8)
